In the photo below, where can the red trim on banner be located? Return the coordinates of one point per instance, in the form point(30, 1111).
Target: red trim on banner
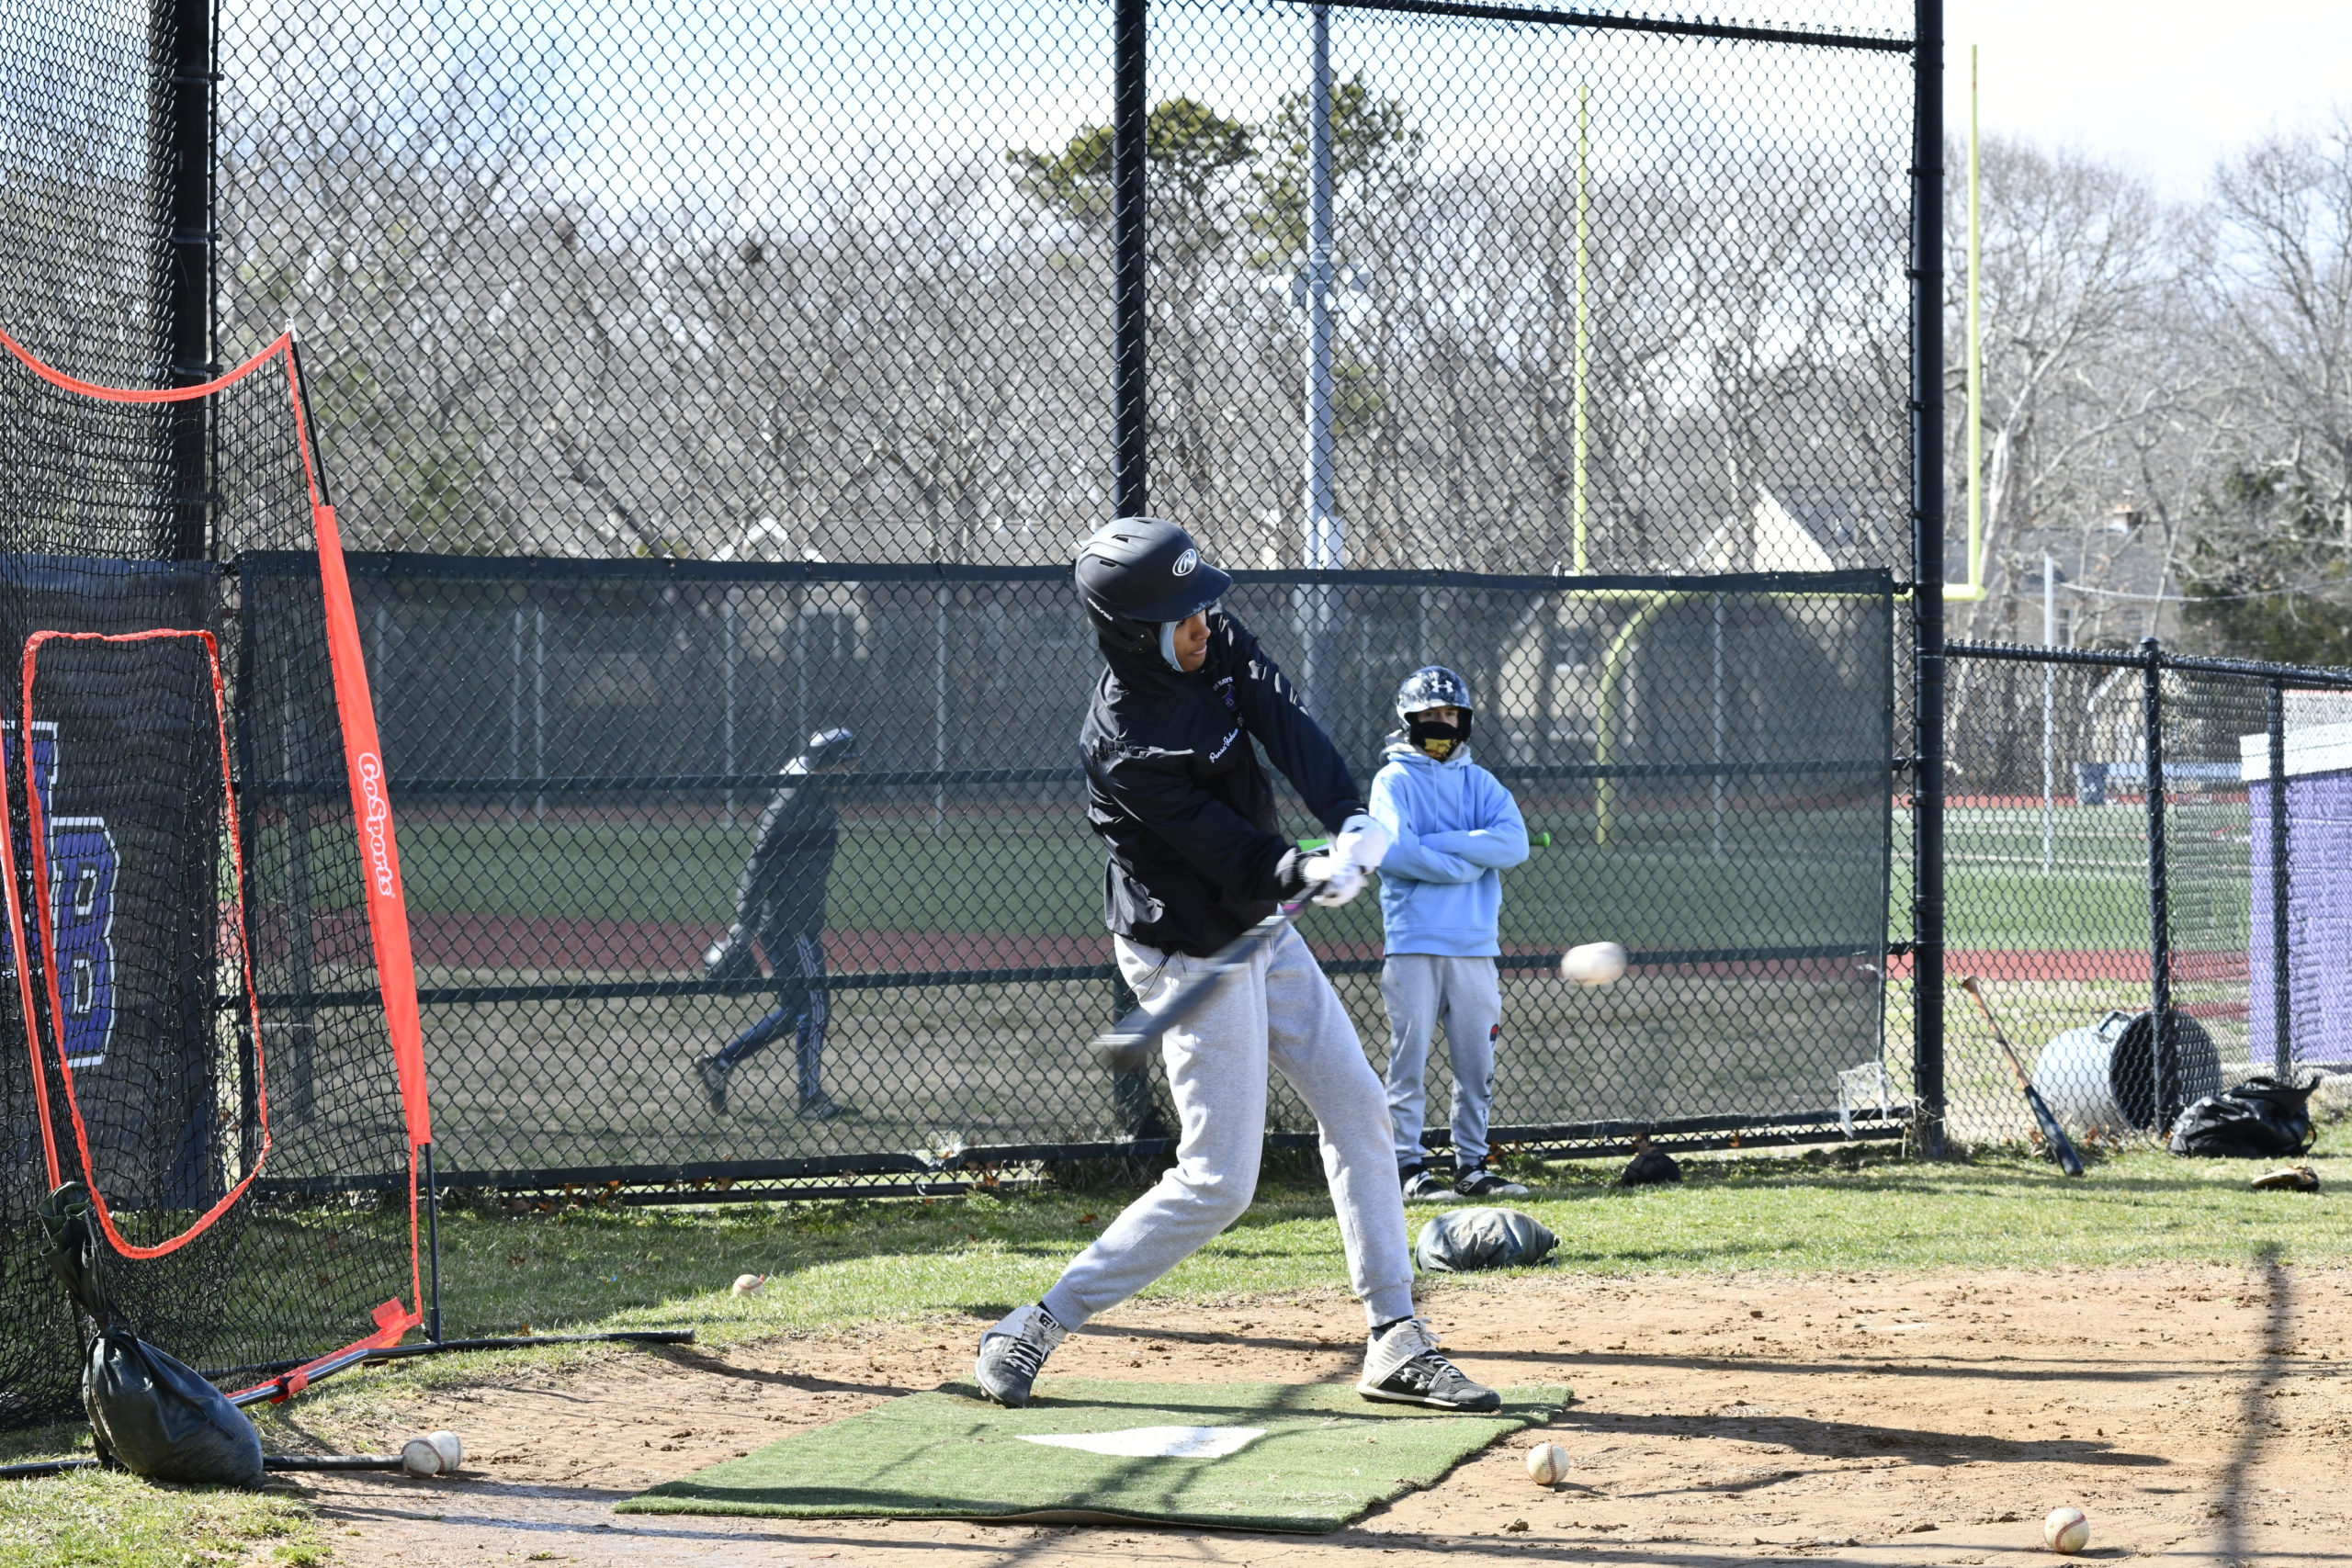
point(60, 380)
point(46, 915)
point(379, 855)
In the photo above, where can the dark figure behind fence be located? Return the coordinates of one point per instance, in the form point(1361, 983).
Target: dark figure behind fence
point(781, 907)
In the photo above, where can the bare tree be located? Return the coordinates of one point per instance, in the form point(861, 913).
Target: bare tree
point(2077, 266)
point(2274, 275)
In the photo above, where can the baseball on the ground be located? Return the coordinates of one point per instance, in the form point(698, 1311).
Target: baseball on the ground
point(419, 1457)
point(452, 1451)
point(1593, 963)
point(749, 1284)
point(2066, 1529)
point(1547, 1463)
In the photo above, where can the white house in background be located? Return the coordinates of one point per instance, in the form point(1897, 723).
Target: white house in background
point(1810, 530)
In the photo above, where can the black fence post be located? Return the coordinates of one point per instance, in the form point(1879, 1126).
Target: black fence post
point(1131, 260)
point(184, 151)
point(1928, 575)
point(2281, 1033)
point(2152, 713)
point(433, 1233)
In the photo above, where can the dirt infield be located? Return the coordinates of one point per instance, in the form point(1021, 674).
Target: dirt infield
point(2196, 1413)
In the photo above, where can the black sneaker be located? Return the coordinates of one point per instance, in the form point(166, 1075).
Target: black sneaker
point(1425, 1186)
point(825, 1108)
point(1401, 1365)
point(713, 1073)
point(1014, 1351)
point(1477, 1182)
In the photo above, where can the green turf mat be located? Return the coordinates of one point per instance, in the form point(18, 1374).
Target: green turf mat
point(1325, 1456)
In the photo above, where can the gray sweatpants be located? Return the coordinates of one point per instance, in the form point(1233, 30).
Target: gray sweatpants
point(1421, 988)
point(1279, 1010)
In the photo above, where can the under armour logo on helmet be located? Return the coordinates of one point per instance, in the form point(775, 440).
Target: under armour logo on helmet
point(1185, 563)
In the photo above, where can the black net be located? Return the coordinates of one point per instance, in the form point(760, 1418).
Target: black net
point(159, 1093)
point(583, 754)
point(86, 178)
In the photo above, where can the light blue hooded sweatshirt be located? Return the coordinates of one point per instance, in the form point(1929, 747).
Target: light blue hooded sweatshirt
point(1456, 828)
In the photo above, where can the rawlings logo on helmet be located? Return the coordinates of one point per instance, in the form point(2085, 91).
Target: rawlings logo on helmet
point(1185, 563)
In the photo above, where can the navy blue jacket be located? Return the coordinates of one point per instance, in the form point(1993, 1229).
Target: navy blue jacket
point(1175, 788)
point(783, 891)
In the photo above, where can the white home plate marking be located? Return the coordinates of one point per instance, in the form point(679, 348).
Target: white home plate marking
point(1159, 1442)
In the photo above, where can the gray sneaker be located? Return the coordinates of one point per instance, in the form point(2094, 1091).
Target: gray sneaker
point(1477, 1182)
point(1401, 1365)
point(1424, 1186)
point(713, 1073)
point(1014, 1350)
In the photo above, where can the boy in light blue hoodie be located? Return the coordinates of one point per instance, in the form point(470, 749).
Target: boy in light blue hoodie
point(1453, 828)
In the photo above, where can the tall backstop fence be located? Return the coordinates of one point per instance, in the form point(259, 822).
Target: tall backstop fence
point(2149, 913)
point(583, 751)
point(1600, 344)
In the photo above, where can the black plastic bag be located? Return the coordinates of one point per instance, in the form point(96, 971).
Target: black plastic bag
point(149, 1412)
point(1649, 1167)
point(1461, 1240)
point(2259, 1119)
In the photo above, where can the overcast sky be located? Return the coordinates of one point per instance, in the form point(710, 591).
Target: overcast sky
point(2169, 86)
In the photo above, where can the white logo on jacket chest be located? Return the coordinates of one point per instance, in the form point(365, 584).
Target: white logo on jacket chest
point(1224, 745)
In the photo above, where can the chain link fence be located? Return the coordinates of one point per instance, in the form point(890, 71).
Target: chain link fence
point(1489, 287)
point(584, 753)
point(2149, 919)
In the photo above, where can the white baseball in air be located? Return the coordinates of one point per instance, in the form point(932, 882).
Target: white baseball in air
point(1547, 1465)
point(2066, 1529)
point(452, 1451)
point(747, 1284)
point(1593, 963)
point(419, 1457)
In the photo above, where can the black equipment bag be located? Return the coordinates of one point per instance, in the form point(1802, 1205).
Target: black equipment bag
point(2259, 1119)
point(151, 1413)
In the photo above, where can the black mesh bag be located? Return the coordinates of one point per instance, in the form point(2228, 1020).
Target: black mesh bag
point(149, 1412)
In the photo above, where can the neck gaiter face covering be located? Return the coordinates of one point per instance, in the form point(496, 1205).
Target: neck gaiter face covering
point(1435, 738)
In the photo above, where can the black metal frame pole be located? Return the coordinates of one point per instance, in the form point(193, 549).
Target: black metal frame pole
point(185, 152)
point(1130, 260)
point(432, 1241)
point(2281, 1031)
point(1928, 575)
point(2152, 715)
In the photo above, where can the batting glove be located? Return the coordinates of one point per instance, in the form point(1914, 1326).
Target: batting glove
point(1361, 842)
point(1342, 879)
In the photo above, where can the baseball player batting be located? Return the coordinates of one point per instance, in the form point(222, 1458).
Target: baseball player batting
point(1180, 799)
point(780, 904)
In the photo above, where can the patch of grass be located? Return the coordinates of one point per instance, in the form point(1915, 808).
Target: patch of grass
point(95, 1519)
point(831, 1263)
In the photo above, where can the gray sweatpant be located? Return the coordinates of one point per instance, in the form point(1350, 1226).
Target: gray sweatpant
point(1280, 1011)
point(1420, 988)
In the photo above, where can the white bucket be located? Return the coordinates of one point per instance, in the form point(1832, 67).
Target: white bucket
point(2103, 1075)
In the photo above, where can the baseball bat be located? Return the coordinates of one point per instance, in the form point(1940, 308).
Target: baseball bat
point(2061, 1148)
point(1127, 1045)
